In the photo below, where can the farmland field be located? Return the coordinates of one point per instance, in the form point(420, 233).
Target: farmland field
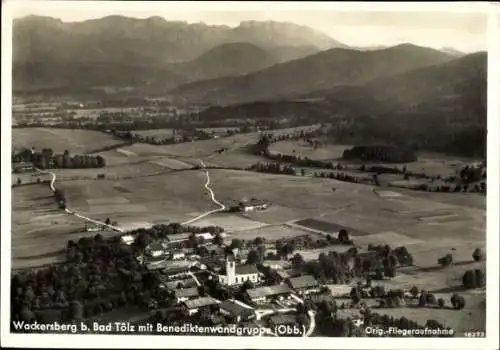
point(157, 133)
point(39, 229)
point(430, 163)
point(74, 140)
point(327, 227)
point(272, 232)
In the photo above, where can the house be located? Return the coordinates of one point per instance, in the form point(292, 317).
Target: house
point(282, 319)
point(177, 255)
point(318, 298)
point(234, 275)
point(127, 239)
point(154, 250)
point(194, 306)
point(353, 314)
point(282, 274)
point(178, 237)
point(242, 255)
point(93, 228)
point(264, 294)
point(207, 236)
point(183, 283)
point(253, 204)
point(236, 312)
point(340, 290)
point(211, 250)
point(185, 294)
point(304, 284)
point(171, 267)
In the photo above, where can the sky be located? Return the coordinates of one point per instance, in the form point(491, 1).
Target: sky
point(462, 26)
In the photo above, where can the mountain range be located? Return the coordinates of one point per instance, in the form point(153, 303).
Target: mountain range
point(162, 55)
point(440, 107)
point(323, 70)
point(154, 51)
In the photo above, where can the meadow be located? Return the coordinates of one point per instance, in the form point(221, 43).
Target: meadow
point(430, 163)
point(40, 230)
point(157, 133)
point(74, 140)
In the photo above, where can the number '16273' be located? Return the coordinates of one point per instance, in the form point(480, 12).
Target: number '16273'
point(474, 334)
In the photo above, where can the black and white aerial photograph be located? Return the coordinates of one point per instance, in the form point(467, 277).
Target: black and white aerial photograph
point(263, 170)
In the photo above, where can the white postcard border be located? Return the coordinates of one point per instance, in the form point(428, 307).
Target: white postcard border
point(136, 341)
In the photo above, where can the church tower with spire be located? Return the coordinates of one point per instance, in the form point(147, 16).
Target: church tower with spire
point(230, 269)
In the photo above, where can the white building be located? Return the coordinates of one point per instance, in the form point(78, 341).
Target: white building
point(194, 306)
point(207, 236)
point(253, 205)
point(155, 250)
point(184, 294)
point(234, 275)
point(177, 255)
point(261, 295)
point(128, 239)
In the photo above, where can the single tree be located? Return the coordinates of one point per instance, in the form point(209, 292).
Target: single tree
point(343, 235)
point(446, 260)
point(253, 257)
point(478, 254)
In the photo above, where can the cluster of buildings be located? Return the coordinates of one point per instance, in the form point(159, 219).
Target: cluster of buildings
point(185, 273)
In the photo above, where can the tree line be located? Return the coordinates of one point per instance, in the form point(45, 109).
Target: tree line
point(378, 263)
point(46, 159)
point(382, 153)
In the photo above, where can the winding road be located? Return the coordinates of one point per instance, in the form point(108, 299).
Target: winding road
point(212, 197)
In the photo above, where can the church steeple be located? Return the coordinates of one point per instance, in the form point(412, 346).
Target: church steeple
point(230, 269)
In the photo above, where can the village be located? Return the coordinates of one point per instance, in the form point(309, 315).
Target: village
point(216, 280)
point(248, 295)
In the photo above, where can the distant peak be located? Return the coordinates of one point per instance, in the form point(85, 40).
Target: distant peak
point(38, 18)
point(410, 46)
point(405, 45)
point(156, 19)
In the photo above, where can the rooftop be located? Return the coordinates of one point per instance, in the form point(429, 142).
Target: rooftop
point(253, 202)
point(186, 283)
point(155, 246)
point(200, 302)
point(186, 292)
point(206, 235)
point(305, 281)
point(246, 269)
point(213, 248)
point(178, 237)
point(317, 298)
point(283, 319)
point(268, 291)
point(283, 274)
point(234, 308)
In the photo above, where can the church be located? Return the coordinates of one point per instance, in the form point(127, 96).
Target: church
point(234, 274)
